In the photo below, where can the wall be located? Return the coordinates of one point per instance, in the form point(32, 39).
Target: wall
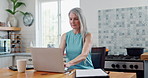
point(3, 14)
point(91, 7)
point(28, 33)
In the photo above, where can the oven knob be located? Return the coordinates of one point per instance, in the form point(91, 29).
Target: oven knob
point(117, 65)
point(124, 66)
point(136, 66)
point(113, 65)
point(131, 66)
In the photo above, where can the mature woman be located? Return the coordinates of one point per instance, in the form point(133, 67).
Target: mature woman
point(77, 42)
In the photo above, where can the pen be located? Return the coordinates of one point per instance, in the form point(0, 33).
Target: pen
point(71, 73)
point(66, 73)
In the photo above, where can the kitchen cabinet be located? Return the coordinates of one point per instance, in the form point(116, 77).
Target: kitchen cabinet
point(146, 69)
point(5, 61)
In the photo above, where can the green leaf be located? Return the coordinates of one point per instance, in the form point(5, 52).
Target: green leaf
point(14, 1)
point(18, 4)
point(16, 11)
point(22, 12)
point(10, 11)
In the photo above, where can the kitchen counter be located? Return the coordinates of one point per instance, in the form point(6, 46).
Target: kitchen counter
point(14, 54)
point(144, 57)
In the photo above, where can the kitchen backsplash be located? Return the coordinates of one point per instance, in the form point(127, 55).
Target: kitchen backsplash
point(123, 27)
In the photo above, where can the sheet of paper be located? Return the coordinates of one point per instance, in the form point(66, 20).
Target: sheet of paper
point(90, 72)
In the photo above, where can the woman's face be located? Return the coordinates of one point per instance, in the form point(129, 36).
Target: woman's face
point(74, 21)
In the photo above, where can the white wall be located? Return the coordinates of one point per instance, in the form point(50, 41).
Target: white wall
point(3, 14)
point(91, 7)
point(28, 33)
point(3, 4)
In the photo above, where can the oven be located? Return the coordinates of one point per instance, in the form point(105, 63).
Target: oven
point(125, 63)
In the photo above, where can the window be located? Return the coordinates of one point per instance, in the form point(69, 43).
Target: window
point(53, 21)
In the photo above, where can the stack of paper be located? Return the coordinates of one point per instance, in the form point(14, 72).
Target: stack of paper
point(84, 73)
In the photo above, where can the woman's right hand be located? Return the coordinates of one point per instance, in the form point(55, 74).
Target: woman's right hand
point(67, 65)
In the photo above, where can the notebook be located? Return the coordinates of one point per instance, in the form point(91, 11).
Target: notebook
point(91, 73)
point(48, 59)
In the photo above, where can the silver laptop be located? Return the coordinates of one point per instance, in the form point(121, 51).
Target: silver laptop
point(48, 59)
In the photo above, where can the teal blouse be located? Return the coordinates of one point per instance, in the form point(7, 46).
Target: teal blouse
point(74, 45)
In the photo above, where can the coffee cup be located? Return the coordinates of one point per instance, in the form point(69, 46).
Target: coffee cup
point(21, 65)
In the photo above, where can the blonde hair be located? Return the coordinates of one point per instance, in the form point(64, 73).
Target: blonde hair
point(83, 26)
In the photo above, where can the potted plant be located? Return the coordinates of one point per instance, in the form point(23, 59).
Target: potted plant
point(15, 5)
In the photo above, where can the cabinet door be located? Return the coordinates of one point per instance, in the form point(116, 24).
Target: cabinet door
point(28, 57)
point(5, 61)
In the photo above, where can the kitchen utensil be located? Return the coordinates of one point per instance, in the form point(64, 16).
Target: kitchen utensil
point(134, 51)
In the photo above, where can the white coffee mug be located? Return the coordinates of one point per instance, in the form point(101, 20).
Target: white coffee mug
point(21, 65)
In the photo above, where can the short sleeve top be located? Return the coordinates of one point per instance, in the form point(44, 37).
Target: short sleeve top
point(74, 45)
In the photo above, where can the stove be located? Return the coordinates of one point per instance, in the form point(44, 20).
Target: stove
point(125, 63)
point(122, 58)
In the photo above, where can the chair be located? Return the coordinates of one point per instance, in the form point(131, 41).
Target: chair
point(98, 57)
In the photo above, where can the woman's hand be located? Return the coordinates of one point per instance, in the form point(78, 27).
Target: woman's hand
point(67, 65)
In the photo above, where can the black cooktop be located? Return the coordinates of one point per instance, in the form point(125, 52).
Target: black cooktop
point(122, 58)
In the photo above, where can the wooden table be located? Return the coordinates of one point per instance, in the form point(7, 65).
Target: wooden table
point(6, 73)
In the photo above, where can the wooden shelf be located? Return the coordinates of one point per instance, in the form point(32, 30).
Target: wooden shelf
point(10, 28)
